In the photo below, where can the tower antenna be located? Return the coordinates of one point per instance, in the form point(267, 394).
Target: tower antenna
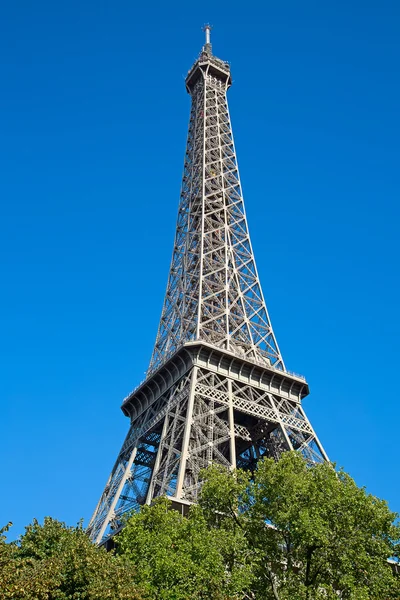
point(207, 30)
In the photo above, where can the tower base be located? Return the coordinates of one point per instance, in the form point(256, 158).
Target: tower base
point(204, 405)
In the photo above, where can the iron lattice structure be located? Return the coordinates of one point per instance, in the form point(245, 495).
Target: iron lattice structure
point(217, 389)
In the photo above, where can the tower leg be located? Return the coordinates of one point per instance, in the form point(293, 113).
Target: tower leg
point(216, 410)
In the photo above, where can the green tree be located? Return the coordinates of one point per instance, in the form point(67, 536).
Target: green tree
point(312, 533)
point(55, 562)
point(178, 558)
point(288, 532)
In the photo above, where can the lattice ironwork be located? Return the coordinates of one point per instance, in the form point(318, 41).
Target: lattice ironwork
point(217, 389)
point(213, 291)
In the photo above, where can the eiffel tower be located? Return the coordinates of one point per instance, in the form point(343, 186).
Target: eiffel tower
point(217, 389)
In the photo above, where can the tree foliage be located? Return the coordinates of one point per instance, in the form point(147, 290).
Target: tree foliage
point(286, 532)
point(177, 558)
point(313, 534)
point(55, 562)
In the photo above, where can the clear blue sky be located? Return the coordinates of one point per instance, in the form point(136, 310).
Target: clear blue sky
point(93, 121)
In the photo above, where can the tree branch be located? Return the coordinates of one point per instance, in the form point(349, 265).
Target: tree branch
point(308, 581)
point(271, 577)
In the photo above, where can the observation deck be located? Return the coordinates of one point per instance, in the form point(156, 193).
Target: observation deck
point(208, 64)
point(286, 384)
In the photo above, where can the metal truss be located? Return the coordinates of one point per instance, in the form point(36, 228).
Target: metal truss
point(213, 291)
point(128, 484)
point(204, 405)
point(217, 389)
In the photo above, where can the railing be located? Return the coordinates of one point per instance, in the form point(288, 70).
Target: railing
point(260, 362)
point(221, 64)
point(296, 375)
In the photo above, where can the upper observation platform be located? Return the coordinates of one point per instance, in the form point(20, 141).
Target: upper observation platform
point(208, 64)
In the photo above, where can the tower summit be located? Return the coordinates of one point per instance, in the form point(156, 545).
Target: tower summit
point(217, 389)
